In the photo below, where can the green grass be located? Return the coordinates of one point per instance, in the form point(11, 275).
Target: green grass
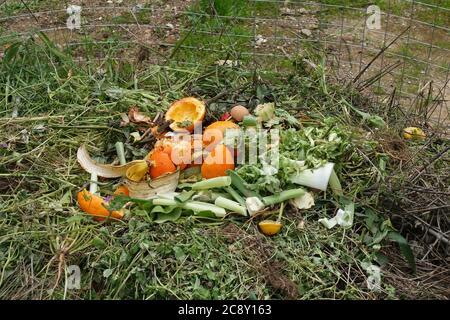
point(225, 7)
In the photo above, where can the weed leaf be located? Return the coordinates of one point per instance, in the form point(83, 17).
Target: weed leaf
point(404, 248)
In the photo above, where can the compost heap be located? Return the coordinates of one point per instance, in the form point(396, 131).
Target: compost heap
point(211, 173)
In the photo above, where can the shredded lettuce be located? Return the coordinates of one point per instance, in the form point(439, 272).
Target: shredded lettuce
point(257, 180)
point(300, 151)
point(316, 144)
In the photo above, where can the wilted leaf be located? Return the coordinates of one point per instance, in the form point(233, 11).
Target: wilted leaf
point(164, 214)
point(137, 117)
point(206, 214)
point(124, 120)
point(11, 52)
point(304, 202)
point(136, 136)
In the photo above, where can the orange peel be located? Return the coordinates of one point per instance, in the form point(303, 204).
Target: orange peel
point(185, 114)
point(270, 227)
point(217, 162)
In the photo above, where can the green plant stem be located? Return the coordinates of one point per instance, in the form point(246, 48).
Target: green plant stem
point(283, 196)
point(121, 152)
point(281, 211)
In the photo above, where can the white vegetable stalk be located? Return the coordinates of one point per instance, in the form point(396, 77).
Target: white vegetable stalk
point(209, 196)
point(168, 195)
point(195, 206)
point(283, 196)
point(121, 153)
point(93, 186)
point(201, 206)
point(218, 182)
point(254, 205)
point(314, 178)
point(230, 205)
point(164, 202)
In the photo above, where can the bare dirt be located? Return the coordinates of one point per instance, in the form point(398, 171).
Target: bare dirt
point(148, 30)
point(420, 54)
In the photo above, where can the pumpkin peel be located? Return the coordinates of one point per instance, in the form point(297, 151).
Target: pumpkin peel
point(138, 171)
point(215, 132)
point(148, 189)
point(122, 191)
point(160, 164)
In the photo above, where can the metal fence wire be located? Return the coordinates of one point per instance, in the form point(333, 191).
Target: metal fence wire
point(402, 46)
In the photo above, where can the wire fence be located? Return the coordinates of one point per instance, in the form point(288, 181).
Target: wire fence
point(263, 34)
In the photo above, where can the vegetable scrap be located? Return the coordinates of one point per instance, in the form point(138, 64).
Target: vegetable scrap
point(248, 164)
point(96, 206)
point(214, 133)
point(218, 161)
point(343, 218)
point(239, 112)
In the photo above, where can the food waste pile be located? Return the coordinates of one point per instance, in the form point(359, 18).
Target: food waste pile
point(253, 165)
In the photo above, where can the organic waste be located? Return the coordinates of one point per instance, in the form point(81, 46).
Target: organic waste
point(160, 164)
point(239, 113)
point(217, 162)
point(96, 206)
point(306, 158)
point(185, 114)
point(181, 236)
point(202, 175)
point(413, 133)
point(137, 172)
point(214, 133)
point(270, 227)
point(122, 191)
